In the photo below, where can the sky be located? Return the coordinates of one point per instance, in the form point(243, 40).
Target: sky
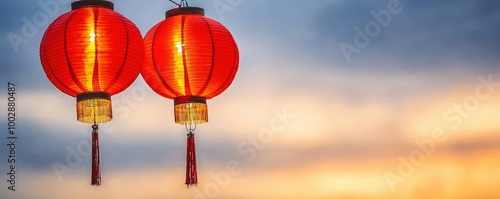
point(333, 99)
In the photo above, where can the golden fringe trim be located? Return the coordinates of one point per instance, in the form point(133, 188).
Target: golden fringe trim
point(94, 110)
point(191, 113)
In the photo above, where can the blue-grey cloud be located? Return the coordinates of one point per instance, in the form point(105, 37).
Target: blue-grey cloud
point(424, 33)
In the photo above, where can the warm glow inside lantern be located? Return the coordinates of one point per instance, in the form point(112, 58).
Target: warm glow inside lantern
point(92, 53)
point(189, 58)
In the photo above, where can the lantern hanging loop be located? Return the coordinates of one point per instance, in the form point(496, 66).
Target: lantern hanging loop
point(183, 3)
point(95, 127)
point(190, 127)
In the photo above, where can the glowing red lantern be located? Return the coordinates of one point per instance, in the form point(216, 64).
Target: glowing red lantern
point(92, 53)
point(189, 58)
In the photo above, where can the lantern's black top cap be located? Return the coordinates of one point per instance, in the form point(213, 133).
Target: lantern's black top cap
point(87, 3)
point(185, 10)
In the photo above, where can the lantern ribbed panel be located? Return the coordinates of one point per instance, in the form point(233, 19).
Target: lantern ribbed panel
point(92, 49)
point(189, 55)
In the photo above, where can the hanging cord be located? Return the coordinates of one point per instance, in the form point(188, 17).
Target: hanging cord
point(190, 127)
point(175, 3)
point(183, 3)
point(95, 111)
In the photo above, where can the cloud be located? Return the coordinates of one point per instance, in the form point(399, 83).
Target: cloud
point(423, 34)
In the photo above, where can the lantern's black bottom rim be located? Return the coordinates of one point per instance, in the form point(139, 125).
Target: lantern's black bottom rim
point(92, 95)
point(189, 99)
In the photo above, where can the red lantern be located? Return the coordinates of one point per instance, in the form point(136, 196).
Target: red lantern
point(189, 58)
point(92, 53)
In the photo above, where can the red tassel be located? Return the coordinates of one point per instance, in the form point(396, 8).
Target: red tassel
point(96, 172)
point(191, 176)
